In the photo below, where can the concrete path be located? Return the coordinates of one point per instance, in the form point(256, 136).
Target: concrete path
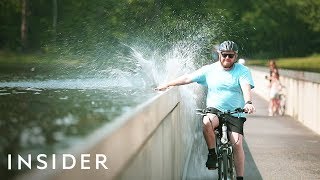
point(275, 147)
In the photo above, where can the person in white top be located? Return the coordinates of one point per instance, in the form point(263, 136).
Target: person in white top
point(275, 88)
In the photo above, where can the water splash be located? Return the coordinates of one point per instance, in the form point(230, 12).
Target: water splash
point(159, 53)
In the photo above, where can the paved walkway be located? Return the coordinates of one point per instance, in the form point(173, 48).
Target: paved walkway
point(275, 147)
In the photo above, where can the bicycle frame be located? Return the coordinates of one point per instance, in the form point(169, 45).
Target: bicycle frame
point(224, 148)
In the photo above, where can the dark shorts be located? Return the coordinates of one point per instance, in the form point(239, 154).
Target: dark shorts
point(234, 124)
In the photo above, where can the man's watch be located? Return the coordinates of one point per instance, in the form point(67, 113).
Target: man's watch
point(249, 102)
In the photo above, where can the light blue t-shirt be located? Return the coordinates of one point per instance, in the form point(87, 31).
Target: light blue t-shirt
point(224, 90)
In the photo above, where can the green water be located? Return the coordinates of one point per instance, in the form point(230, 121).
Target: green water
point(42, 120)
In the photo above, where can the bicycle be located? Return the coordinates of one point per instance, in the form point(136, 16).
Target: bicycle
point(224, 148)
point(281, 102)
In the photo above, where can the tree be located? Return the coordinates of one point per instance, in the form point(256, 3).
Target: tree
point(54, 18)
point(24, 24)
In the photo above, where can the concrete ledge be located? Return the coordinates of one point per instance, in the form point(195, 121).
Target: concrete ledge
point(152, 142)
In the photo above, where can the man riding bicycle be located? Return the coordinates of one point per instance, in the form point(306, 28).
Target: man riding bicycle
point(229, 87)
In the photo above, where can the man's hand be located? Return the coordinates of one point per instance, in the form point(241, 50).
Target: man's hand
point(184, 79)
point(249, 108)
point(161, 87)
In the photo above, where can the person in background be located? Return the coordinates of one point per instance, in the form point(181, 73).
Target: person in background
point(229, 87)
point(275, 88)
point(273, 85)
point(272, 68)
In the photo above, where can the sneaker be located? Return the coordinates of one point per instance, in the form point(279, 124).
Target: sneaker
point(211, 161)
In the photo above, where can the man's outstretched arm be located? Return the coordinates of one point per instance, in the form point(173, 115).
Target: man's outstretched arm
point(184, 79)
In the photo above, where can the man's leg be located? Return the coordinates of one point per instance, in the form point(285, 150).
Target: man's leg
point(208, 129)
point(238, 153)
point(210, 122)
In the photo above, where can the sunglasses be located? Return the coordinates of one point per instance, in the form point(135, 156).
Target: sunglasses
point(230, 55)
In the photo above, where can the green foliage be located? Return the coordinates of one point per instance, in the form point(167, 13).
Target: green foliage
point(308, 11)
point(9, 28)
point(278, 31)
point(310, 63)
point(262, 28)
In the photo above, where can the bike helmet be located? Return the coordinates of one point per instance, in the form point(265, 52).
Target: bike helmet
point(228, 46)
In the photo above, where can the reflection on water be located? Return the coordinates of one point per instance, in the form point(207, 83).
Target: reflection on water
point(38, 120)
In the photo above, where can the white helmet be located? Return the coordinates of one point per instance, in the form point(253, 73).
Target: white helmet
point(228, 46)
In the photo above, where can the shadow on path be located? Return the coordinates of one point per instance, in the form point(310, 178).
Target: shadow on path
point(251, 169)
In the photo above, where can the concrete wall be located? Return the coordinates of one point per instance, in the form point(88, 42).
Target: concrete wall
point(302, 92)
point(165, 154)
point(153, 142)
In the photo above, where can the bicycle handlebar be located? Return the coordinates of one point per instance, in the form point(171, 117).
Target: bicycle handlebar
point(205, 111)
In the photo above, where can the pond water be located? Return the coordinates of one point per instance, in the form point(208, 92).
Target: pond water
point(46, 110)
point(47, 116)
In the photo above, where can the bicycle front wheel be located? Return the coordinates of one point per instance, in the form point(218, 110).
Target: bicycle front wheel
point(232, 170)
point(220, 164)
point(225, 164)
point(226, 170)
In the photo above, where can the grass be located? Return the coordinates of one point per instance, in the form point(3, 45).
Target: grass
point(10, 58)
point(14, 58)
point(311, 63)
